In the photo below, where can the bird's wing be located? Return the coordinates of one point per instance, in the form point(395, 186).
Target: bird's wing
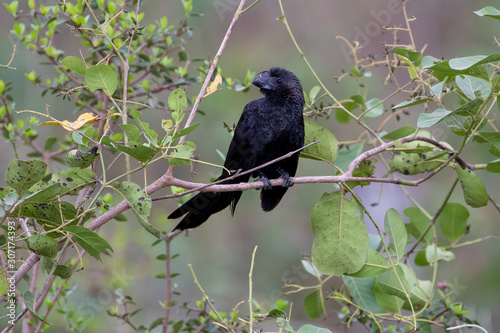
point(241, 153)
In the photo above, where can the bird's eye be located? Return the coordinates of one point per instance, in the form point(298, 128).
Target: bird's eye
point(280, 81)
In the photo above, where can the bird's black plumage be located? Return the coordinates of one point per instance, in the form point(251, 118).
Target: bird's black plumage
point(268, 128)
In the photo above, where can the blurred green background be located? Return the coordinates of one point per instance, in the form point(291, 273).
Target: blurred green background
point(220, 250)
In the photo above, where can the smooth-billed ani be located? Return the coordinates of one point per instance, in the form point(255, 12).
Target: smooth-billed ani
point(268, 128)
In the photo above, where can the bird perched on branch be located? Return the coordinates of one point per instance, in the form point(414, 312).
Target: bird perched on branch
point(268, 128)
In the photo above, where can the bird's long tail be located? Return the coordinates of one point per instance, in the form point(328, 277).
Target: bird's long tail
point(271, 198)
point(199, 208)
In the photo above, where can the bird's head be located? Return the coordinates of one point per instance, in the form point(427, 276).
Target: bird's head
point(280, 85)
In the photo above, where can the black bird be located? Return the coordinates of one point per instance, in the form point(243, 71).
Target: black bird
point(268, 128)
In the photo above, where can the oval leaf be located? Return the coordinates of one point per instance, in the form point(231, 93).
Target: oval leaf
point(89, 240)
point(140, 203)
point(75, 64)
point(453, 221)
point(393, 282)
point(340, 242)
point(101, 77)
point(43, 245)
point(395, 229)
point(313, 304)
point(362, 291)
point(475, 193)
point(21, 175)
point(326, 149)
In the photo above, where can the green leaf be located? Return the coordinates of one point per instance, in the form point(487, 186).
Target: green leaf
point(326, 150)
point(342, 116)
point(375, 106)
point(464, 63)
point(12, 7)
point(400, 133)
point(101, 77)
point(63, 271)
point(313, 304)
point(393, 282)
point(188, 6)
point(420, 259)
point(434, 252)
point(4, 284)
point(437, 89)
point(389, 303)
point(340, 242)
point(312, 329)
point(442, 70)
point(412, 102)
point(375, 265)
point(419, 223)
point(420, 290)
point(43, 245)
point(73, 180)
point(469, 85)
point(140, 203)
point(182, 154)
point(314, 92)
point(347, 154)
point(415, 157)
point(426, 120)
point(75, 64)
point(475, 193)
point(29, 301)
point(185, 131)
point(395, 229)
point(492, 138)
point(493, 166)
point(414, 57)
point(21, 175)
point(362, 291)
point(453, 221)
point(150, 134)
point(48, 212)
point(131, 131)
point(274, 313)
point(489, 11)
point(137, 150)
point(49, 143)
point(365, 169)
point(89, 240)
point(177, 100)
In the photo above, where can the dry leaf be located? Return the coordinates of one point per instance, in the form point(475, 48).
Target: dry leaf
point(213, 86)
point(86, 118)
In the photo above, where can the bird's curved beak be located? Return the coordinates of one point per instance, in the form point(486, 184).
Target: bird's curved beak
point(261, 80)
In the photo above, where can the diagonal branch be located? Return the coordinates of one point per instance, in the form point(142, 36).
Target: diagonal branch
point(236, 175)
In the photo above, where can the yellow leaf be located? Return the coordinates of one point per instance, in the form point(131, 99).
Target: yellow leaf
point(86, 118)
point(213, 86)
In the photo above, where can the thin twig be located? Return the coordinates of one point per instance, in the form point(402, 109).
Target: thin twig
point(208, 77)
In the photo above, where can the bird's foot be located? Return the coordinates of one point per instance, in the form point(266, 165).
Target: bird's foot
point(287, 181)
point(267, 182)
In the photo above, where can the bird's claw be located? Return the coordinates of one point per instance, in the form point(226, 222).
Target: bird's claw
point(287, 181)
point(267, 182)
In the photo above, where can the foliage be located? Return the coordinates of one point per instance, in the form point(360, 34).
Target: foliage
point(129, 65)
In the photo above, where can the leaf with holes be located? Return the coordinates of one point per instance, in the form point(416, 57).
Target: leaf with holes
point(21, 175)
point(43, 245)
point(140, 203)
